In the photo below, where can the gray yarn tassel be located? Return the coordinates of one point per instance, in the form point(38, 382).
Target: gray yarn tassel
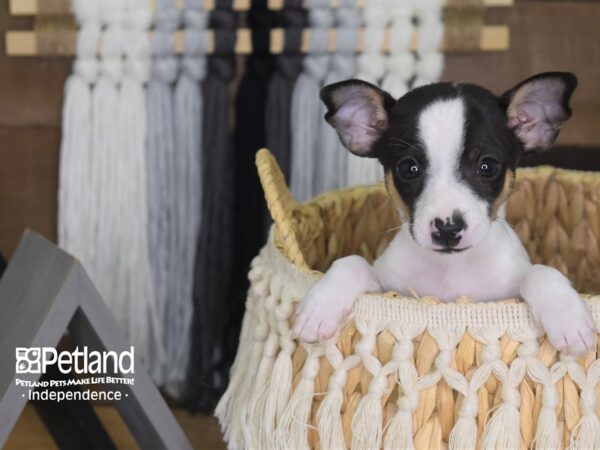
point(333, 157)
point(306, 105)
point(161, 165)
point(188, 139)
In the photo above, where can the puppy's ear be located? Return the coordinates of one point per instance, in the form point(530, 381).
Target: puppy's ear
point(537, 107)
point(359, 113)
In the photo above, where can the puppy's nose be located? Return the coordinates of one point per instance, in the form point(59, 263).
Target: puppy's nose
point(447, 231)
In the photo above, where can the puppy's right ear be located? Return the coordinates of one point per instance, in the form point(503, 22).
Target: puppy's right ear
point(359, 113)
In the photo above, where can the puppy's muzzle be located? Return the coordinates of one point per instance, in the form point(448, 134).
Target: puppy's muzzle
point(447, 233)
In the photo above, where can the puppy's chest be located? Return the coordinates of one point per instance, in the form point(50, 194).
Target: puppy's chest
point(483, 277)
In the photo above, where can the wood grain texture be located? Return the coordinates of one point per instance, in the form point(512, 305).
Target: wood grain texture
point(545, 36)
point(30, 433)
point(28, 182)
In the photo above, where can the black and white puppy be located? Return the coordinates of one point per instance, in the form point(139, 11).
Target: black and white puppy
point(449, 153)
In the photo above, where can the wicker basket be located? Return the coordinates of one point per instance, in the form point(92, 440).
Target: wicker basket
point(413, 372)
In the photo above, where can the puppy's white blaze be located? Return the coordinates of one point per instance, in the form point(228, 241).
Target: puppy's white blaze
point(441, 129)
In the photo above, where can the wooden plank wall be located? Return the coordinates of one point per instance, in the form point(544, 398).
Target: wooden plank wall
point(545, 35)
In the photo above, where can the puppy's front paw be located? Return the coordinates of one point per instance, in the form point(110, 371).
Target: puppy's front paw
point(321, 312)
point(570, 329)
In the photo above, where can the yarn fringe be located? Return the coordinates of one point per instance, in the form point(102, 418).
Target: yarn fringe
point(367, 428)
point(329, 421)
point(261, 384)
point(547, 436)
point(277, 397)
point(234, 396)
point(586, 434)
point(464, 434)
point(292, 429)
point(399, 434)
point(502, 431)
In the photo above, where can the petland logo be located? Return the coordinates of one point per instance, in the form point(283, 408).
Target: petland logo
point(85, 368)
point(37, 359)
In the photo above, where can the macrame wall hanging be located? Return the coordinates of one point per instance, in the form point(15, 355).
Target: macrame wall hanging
point(158, 194)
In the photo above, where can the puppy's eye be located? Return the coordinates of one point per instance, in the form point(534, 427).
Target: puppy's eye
point(488, 168)
point(408, 169)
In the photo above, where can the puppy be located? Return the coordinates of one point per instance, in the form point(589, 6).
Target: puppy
point(449, 153)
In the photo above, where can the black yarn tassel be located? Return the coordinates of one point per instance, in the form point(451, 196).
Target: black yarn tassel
point(208, 368)
point(279, 97)
point(249, 138)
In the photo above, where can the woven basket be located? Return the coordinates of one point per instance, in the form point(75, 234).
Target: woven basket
point(413, 372)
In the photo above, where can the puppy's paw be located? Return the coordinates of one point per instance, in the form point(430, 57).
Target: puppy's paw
point(321, 313)
point(571, 329)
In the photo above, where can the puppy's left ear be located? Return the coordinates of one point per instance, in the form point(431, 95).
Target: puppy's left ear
point(359, 113)
point(537, 107)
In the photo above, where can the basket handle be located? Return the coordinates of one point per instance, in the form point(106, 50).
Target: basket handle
point(281, 205)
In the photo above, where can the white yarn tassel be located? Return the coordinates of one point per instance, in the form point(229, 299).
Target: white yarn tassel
point(280, 384)
point(329, 415)
point(367, 423)
point(547, 436)
point(259, 397)
point(431, 31)
point(329, 419)
point(105, 197)
point(400, 63)
point(264, 404)
point(503, 430)
point(399, 433)
point(277, 393)
point(464, 433)
point(145, 320)
point(77, 145)
point(292, 430)
point(586, 434)
point(239, 433)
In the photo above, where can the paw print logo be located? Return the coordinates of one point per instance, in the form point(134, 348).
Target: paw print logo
point(28, 360)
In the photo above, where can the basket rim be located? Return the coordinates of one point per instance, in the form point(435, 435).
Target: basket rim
point(395, 307)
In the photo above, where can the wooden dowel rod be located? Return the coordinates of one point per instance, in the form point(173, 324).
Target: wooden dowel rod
point(25, 43)
point(31, 7)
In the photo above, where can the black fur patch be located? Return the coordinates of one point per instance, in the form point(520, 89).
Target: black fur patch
point(486, 135)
